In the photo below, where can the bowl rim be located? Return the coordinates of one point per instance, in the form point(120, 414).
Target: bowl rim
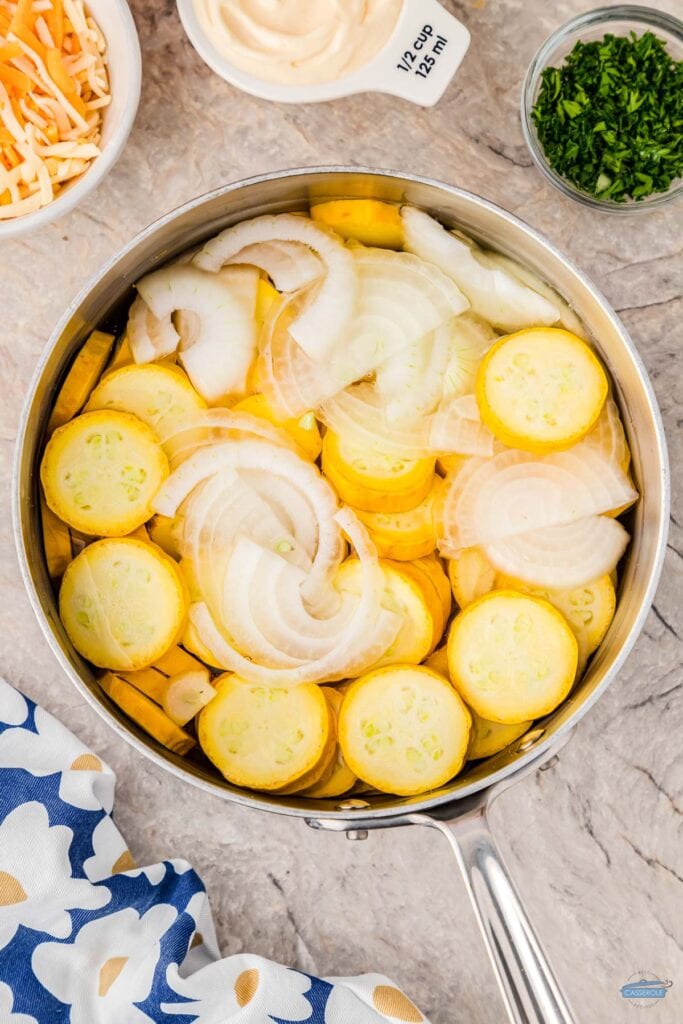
point(636, 13)
point(93, 176)
point(176, 765)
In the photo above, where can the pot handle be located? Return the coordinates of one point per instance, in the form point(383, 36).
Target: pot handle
point(529, 988)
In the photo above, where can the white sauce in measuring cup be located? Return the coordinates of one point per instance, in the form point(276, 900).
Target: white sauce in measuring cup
point(299, 42)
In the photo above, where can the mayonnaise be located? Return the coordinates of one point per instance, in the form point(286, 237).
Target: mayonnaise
point(298, 42)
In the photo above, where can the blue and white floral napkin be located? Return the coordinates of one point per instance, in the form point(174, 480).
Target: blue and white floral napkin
point(86, 937)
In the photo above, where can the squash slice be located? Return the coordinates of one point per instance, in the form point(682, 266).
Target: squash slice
point(471, 575)
point(404, 729)
point(366, 220)
point(404, 536)
point(487, 738)
point(82, 377)
point(304, 431)
point(146, 714)
point(512, 657)
point(404, 596)
point(156, 393)
point(264, 737)
point(589, 610)
point(341, 779)
point(56, 541)
point(541, 389)
point(123, 603)
point(101, 471)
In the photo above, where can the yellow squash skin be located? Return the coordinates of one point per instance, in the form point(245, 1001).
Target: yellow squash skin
point(541, 389)
point(512, 657)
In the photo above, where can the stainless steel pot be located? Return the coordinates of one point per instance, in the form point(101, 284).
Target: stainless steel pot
point(459, 810)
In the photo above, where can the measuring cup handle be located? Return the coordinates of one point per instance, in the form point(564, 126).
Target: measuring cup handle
point(529, 988)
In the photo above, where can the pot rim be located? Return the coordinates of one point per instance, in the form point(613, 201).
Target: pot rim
point(408, 806)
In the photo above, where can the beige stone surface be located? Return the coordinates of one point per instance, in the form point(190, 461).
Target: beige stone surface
point(595, 842)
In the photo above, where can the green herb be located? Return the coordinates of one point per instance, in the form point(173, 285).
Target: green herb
point(610, 120)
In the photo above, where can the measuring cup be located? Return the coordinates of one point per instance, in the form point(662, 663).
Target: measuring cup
point(416, 63)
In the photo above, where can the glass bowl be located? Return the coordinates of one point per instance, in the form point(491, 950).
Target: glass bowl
point(587, 27)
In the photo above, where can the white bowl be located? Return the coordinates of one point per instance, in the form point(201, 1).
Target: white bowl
point(125, 72)
point(425, 32)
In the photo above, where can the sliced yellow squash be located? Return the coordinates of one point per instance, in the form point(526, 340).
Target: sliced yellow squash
point(154, 392)
point(540, 389)
point(404, 536)
point(146, 714)
point(123, 603)
point(487, 738)
point(56, 541)
point(589, 610)
point(366, 220)
point(150, 682)
point(375, 481)
point(264, 737)
point(123, 355)
point(512, 657)
point(323, 769)
point(404, 596)
point(266, 295)
point(161, 531)
point(82, 377)
point(341, 779)
point(404, 729)
point(304, 431)
point(101, 471)
point(422, 578)
point(176, 660)
point(471, 575)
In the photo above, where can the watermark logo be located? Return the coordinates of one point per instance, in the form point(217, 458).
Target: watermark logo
point(645, 989)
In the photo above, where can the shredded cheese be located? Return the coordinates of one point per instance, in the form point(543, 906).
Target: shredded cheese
point(54, 87)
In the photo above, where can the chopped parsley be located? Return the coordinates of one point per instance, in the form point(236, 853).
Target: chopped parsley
point(610, 119)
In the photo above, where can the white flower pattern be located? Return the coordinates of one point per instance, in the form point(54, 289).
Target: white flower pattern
point(128, 937)
point(86, 782)
point(13, 706)
point(36, 887)
point(108, 968)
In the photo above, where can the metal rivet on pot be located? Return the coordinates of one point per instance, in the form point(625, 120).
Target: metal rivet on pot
point(529, 740)
point(352, 805)
point(357, 833)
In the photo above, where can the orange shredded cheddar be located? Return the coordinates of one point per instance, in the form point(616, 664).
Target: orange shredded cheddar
point(47, 107)
point(9, 51)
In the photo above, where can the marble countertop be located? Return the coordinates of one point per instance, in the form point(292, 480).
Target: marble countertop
point(595, 842)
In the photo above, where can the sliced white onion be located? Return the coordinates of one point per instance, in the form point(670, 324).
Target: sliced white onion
point(327, 313)
point(495, 294)
point(411, 381)
point(218, 337)
point(181, 438)
point(567, 317)
point(289, 265)
point(358, 412)
point(456, 428)
point(515, 492)
point(562, 557)
point(149, 338)
point(402, 307)
point(471, 338)
point(368, 632)
point(265, 614)
point(278, 462)
point(608, 436)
